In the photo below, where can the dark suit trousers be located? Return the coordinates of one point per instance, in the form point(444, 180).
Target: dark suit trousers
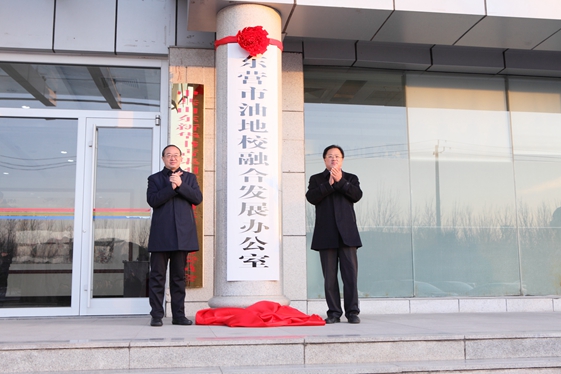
point(330, 259)
point(157, 282)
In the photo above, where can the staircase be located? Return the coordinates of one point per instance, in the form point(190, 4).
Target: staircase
point(421, 343)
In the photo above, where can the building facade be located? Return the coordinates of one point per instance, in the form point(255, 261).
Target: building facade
point(448, 111)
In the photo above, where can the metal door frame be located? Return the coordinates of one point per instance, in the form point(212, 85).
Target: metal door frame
point(106, 306)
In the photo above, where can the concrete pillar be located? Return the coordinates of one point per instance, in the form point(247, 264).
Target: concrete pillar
point(230, 20)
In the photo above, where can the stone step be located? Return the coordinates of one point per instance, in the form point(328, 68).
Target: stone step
point(511, 366)
point(387, 354)
point(423, 343)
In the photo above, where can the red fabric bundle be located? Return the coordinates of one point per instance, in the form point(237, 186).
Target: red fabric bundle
point(260, 314)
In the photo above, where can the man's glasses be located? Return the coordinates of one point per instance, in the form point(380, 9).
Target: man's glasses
point(170, 156)
point(331, 157)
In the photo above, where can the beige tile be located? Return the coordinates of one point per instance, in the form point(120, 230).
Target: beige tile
point(294, 268)
point(293, 126)
point(434, 306)
point(376, 306)
point(293, 159)
point(191, 57)
point(490, 305)
point(294, 204)
point(292, 82)
point(529, 304)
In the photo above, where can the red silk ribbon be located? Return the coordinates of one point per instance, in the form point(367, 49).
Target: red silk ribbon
point(234, 39)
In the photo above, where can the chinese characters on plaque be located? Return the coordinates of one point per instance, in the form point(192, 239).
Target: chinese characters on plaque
point(253, 166)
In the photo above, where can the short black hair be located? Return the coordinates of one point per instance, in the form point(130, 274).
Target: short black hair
point(331, 147)
point(171, 145)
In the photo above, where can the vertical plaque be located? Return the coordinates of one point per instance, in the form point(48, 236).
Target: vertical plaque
point(186, 132)
point(253, 229)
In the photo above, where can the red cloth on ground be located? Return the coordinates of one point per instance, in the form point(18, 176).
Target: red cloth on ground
point(260, 314)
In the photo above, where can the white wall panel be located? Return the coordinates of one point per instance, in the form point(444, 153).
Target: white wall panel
point(442, 6)
point(202, 13)
point(518, 24)
point(84, 25)
point(426, 27)
point(191, 39)
point(330, 22)
point(544, 9)
point(27, 24)
point(553, 43)
point(145, 26)
point(509, 32)
point(358, 4)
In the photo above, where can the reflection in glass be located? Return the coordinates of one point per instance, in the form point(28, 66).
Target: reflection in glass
point(37, 179)
point(540, 252)
point(466, 261)
point(464, 226)
point(121, 214)
point(79, 87)
point(485, 183)
point(461, 168)
point(363, 113)
point(536, 134)
point(537, 155)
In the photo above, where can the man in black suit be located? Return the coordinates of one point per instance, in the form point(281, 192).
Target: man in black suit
point(171, 193)
point(336, 237)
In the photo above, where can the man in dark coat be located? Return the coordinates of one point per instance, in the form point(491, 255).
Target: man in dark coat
point(336, 237)
point(171, 193)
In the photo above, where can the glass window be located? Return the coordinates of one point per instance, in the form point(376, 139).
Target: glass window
point(536, 134)
point(79, 87)
point(364, 113)
point(462, 186)
point(460, 195)
point(37, 183)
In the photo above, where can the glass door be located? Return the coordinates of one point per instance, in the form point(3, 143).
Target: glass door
point(117, 218)
point(39, 165)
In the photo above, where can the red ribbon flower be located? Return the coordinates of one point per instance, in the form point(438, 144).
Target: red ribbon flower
point(254, 40)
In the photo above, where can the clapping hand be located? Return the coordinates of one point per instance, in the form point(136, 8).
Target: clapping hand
point(175, 179)
point(335, 175)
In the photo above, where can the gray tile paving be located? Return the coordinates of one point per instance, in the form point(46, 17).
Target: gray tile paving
point(81, 329)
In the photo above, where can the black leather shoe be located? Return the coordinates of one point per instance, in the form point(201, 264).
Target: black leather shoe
point(353, 318)
point(330, 320)
point(156, 322)
point(181, 321)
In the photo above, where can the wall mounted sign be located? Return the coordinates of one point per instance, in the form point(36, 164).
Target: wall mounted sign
point(253, 227)
point(186, 132)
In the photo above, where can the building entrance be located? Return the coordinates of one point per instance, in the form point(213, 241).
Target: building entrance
point(78, 139)
point(73, 214)
point(116, 216)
